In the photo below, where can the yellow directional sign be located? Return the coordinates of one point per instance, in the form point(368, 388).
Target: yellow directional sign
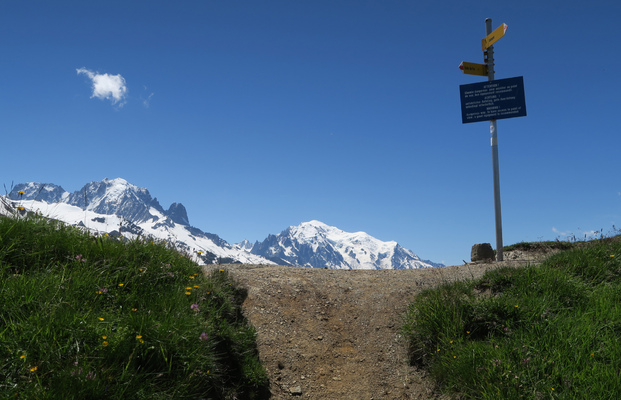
point(473, 69)
point(494, 36)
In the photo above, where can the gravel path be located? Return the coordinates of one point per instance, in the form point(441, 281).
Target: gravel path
point(335, 334)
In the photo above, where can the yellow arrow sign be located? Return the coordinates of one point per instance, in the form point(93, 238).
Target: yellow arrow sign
point(494, 36)
point(473, 69)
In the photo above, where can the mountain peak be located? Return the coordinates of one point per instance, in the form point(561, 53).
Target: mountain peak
point(116, 181)
point(47, 192)
point(178, 214)
point(108, 196)
point(318, 245)
point(118, 187)
point(310, 229)
point(116, 196)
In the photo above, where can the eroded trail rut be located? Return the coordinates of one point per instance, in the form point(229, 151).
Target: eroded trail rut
point(335, 334)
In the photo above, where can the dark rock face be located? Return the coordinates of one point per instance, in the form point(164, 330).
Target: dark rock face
point(270, 249)
point(482, 252)
point(178, 214)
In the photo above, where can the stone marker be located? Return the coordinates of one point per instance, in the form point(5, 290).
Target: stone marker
point(482, 252)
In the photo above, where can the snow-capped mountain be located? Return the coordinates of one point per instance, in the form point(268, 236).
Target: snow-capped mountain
point(116, 207)
point(317, 245)
point(109, 197)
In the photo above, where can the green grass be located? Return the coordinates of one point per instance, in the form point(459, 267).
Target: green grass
point(542, 246)
point(87, 317)
point(539, 332)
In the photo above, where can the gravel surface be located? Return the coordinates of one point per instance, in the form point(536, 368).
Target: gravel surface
point(335, 334)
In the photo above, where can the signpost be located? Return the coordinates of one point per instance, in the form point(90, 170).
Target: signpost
point(473, 68)
point(490, 101)
point(493, 37)
point(486, 101)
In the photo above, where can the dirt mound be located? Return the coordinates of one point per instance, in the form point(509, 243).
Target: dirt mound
point(335, 334)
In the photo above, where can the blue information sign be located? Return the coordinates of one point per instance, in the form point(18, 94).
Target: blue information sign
point(498, 99)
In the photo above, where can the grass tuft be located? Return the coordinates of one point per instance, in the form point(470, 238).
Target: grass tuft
point(93, 317)
point(547, 331)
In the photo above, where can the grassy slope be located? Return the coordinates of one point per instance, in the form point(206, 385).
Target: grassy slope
point(87, 317)
point(549, 331)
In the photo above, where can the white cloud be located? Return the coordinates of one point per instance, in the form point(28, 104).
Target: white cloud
point(561, 233)
point(147, 102)
point(106, 86)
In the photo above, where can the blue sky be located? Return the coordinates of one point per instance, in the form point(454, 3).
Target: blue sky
point(257, 115)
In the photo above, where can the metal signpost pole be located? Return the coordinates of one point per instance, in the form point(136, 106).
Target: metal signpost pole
point(494, 139)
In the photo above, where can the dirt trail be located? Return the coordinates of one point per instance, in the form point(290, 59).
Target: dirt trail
point(335, 334)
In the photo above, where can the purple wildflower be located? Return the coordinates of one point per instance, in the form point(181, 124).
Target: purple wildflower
point(204, 336)
point(195, 307)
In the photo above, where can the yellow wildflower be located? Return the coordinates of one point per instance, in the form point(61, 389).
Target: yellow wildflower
point(99, 318)
point(33, 369)
point(105, 343)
